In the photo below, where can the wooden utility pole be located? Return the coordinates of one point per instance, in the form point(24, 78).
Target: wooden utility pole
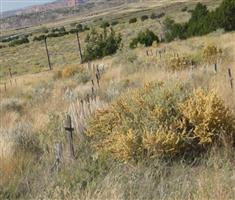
point(48, 56)
point(69, 129)
point(79, 47)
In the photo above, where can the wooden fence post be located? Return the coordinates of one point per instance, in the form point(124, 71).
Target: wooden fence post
point(79, 47)
point(58, 156)
point(5, 86)
point(97, 79)
point(68, 127)
point(48, 56)
point(89, 66)
point(10, 73)
point(230, 78)
point(98, 71)
point(147, 52)
point(93, 96)
point(82, 105)
point(88, 103)
point(215, 68)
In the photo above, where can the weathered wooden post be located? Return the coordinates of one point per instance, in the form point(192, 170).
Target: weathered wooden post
point(69, 129)
point(230, 78)
point(79, 47)
point(97, 79)
point(58, 156)
point(88, 103)
point(5, 86)
point(93, 93)
point(82, 107)
point(98, 71)
point(89, 66)
point(215, 68)
point(48, 56)
point(147, 52)
point(10, 73)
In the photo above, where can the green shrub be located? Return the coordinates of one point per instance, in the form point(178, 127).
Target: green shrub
point(11, 104)
point(153, 16)
point(133, 20)
point(59, 34)
point(114, 23)
point(79, 28)
point(61, 29)
point(144, 17)
point(145, 38)
point(184, 9)
point(39, 38)
point(44, 30)
point(22, 40)
point(203, 21)
point(9, 39)
point(105, 25)
point(99, 45)
point(226, 15)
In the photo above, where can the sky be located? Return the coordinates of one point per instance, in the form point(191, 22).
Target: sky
point(6, 5)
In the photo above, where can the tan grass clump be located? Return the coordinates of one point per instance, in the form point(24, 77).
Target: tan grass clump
point(159, 121)
point(177, 63)
point(67, 72)
point(70, 71)
point(211, 53)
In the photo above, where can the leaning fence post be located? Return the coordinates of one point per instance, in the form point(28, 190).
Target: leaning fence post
point(48, 56)
point(69, 129)
point(230, 78)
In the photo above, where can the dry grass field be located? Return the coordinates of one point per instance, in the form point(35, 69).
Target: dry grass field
point(36, 101)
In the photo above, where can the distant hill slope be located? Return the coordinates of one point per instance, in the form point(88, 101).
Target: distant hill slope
point(39, 14)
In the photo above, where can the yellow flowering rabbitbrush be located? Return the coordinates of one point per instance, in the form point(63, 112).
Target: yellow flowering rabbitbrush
point(161, 120)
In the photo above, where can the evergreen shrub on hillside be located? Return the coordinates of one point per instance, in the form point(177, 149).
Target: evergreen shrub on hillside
point(132, 20)
point(145, 38)
point(159, 120)
point(144, 17)
point(102, 44)
point(202, 21)
point(21, 40)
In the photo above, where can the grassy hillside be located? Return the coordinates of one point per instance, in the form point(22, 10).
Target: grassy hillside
point(159, 124)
